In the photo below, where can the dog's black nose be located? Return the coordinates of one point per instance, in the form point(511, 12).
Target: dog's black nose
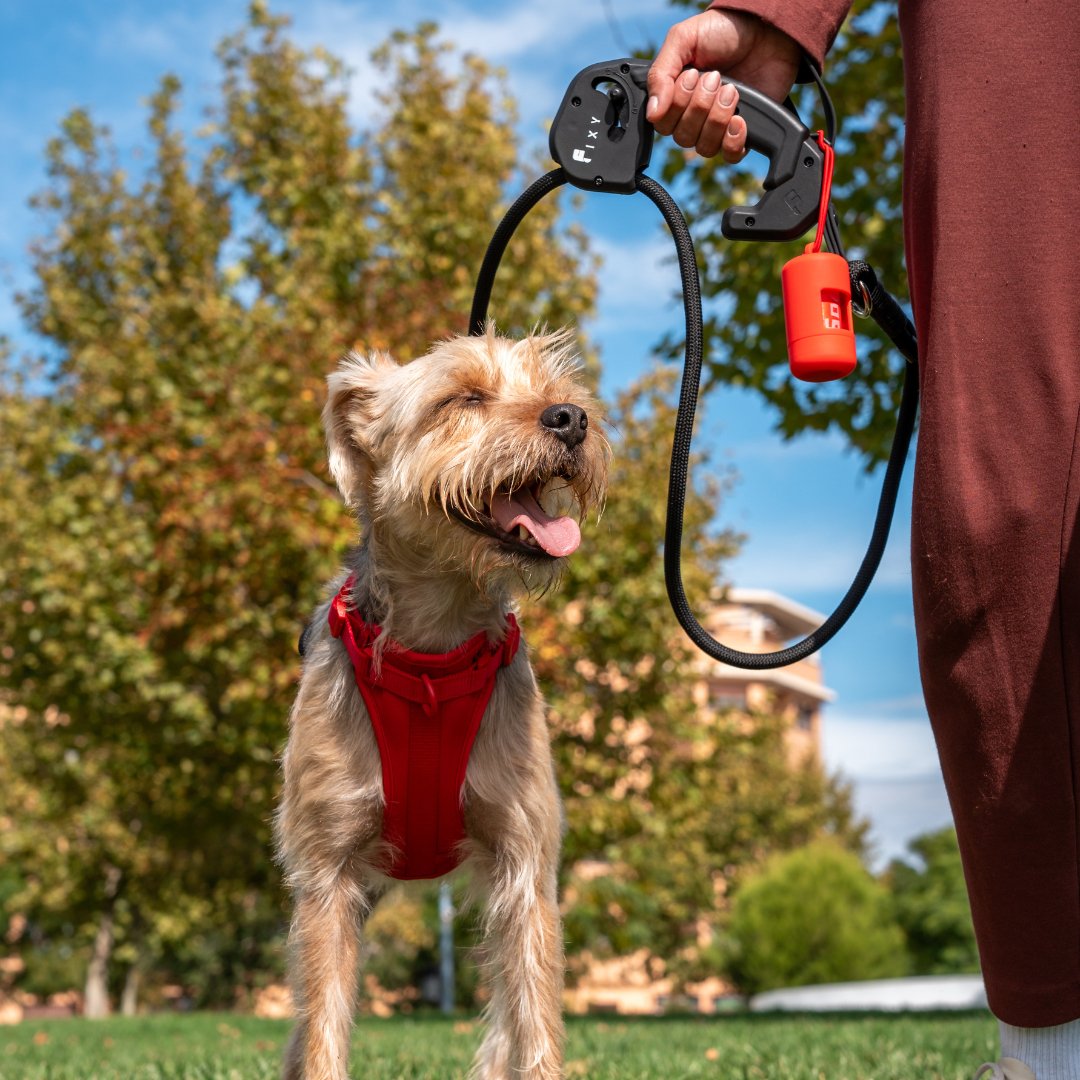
point(567, 421)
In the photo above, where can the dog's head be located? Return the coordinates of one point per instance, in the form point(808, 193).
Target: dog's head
point(481, 456)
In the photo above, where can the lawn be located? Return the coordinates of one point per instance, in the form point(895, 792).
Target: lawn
point(220, 1046)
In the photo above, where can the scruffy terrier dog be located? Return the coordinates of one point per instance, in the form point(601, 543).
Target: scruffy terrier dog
point(418, 739)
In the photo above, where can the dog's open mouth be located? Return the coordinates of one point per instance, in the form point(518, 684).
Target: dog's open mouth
point(518, 521)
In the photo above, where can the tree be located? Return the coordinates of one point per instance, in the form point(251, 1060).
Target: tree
point(744, 328)
point(674, 800)
point(932, 907)
point(167, 518)
point(166, 521)
point(813, 916)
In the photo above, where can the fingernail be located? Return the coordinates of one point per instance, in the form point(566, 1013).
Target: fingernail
point(727, 94)
point(733, 129)
point(689, 79)
point(650, 109)
point(711, 81)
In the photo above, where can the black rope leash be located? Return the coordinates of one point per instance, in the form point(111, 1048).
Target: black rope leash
point(767, 220)
point(501, 238)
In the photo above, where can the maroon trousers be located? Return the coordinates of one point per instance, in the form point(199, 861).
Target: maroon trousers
point(992, 224)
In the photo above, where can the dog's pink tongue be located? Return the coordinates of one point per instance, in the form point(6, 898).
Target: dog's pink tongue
point(557, 536)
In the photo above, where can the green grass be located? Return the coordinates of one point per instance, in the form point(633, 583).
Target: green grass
point(225, 1047)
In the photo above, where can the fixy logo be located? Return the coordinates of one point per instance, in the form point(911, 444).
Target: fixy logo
point(579, 155)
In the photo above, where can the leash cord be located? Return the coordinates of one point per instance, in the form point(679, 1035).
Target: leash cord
point(501, 237)
point(879, 303)
point(680, 458)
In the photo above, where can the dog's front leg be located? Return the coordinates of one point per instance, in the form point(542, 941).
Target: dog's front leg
point(524, 953)
point(324, 943)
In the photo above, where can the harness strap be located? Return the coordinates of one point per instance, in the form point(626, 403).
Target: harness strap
point(425, 709)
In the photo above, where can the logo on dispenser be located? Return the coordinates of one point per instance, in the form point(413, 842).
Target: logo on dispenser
point(831, 315)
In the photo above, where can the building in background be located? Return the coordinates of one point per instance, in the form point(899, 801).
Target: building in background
point(757, 620)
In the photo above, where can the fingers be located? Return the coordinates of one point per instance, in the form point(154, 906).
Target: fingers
point(683, 92)
point(733, 146)
point(705, 120)
point(694, 107)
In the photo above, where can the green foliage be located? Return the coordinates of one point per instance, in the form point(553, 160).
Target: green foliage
point(931, 905)
point(672, 798)
point(813, 916)
point(212, 1046)
point(166, 520)
point(744, 331)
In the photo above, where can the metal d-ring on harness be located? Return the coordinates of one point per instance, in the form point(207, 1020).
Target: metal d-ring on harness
point(602, 142)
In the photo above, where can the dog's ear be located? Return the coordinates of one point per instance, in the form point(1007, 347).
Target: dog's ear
point(350, 416)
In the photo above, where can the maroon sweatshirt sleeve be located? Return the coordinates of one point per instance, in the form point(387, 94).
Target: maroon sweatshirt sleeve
point(812, 23)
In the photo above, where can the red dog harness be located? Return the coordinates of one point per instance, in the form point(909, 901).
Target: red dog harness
point(426, 710)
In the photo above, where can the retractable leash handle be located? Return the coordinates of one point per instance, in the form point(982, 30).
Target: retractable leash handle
point(792, 186)
point(602, 142)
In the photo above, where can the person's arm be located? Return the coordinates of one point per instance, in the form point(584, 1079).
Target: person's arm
point(813, 24)
point(759, 42)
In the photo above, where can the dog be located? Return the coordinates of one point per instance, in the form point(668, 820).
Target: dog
point(468, 470)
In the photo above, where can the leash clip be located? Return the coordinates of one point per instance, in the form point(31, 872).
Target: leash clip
point(600, 135)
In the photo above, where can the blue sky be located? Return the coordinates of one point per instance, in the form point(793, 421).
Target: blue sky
point(806, 506)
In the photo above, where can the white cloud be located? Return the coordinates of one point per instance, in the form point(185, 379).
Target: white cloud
point(900, 810)
point(519, 30)
point(535, 43)
point(175, 38)
point(351, 32)
point(886, 749)
point(636, 281)
point(154, 38)
point(868, 746)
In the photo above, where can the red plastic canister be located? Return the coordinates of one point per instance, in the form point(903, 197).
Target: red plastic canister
point(817, 315)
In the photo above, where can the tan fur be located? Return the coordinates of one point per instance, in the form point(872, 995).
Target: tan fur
point(407, 444)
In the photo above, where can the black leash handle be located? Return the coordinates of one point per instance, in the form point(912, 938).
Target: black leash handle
point(606, 102)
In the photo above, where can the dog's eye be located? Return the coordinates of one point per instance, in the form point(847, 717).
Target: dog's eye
point(473, 399)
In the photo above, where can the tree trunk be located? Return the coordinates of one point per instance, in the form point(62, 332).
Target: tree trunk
point(129, 999)
point(96, 998)
point(96, 994)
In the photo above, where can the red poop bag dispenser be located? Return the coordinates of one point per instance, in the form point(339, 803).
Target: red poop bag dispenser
point(817, 316)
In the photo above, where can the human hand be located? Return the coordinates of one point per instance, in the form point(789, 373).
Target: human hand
point(684, 79)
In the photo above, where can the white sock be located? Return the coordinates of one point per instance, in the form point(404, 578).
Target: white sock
point(1051, 1053)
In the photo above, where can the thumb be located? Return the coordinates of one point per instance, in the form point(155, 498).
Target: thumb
point(674, 55)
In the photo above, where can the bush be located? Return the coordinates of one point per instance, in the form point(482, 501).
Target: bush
point(931, 905)
point(813, 916)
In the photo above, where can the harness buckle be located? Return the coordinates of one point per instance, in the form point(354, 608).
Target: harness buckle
point(431, 705)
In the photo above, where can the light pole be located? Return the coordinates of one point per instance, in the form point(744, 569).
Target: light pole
point(446, 948)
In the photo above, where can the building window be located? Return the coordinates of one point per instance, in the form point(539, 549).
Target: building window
point(805, 718)
point(721, 700)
